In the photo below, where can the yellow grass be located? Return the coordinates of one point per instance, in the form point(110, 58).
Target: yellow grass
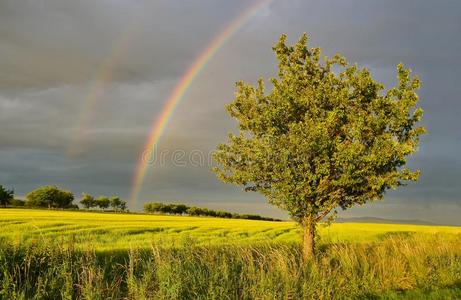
point(109, 231)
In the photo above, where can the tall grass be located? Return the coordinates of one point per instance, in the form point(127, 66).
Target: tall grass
point(399, 266)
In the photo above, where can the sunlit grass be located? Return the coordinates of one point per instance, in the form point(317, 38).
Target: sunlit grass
point(48, 254)
point(398, 267)
point(109, 231)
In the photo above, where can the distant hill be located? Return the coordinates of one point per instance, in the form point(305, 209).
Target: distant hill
point(382, 221)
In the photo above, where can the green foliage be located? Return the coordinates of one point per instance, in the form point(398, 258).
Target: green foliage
point(154, 207)
point(195, 211)
point(6, 196)
point(17, 203)
point(103, 202)
point(49, 196)
point(397, 268)
point(73, 206)
point(180, 209)
point(326, 136)
point(88, 201)
point(116, 203)
point(174, 209)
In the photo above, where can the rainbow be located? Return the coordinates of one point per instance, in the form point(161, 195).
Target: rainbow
point(102, 80)
point(161, 122)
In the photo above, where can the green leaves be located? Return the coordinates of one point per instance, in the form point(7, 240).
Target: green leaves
point(6, 196)
point(49, 196)
point(326, 135)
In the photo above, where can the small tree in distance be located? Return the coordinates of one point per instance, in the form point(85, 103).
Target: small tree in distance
point(103, 202)
point(321, 139)
point(122, 206)
point(6, 196)
point(117, 204)
point(87, 201)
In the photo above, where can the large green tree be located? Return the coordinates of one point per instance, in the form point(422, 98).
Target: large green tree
point(327, 135)
point(49, 196)
point(6, 196)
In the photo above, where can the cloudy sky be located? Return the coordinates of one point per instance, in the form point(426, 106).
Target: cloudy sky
point(82, 81)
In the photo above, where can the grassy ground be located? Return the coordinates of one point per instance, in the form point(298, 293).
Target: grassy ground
point(109, 231)
point(59, 254)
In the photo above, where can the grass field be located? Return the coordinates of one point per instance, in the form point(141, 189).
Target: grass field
point(109, 231)
point(86, 255)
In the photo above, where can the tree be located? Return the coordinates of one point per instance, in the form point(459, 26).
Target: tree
point(178, 209)
point(63, 199)
point(103, 202)
point(87, 201)
point(115, 202)
point(326, 136)
point(153, 207)
point(194, 211)
point(6, 196)
point(122, 205)
point(49, 196)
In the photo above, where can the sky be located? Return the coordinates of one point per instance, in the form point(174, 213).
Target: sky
point(81, 82)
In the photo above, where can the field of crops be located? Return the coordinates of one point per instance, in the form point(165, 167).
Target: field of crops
point(109, 231)
point(49, 254)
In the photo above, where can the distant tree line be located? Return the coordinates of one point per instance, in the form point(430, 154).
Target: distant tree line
point(103, 202)
point(181, 209)
point(50, 196)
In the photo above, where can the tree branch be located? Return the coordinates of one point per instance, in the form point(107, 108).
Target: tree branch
point(325, 213)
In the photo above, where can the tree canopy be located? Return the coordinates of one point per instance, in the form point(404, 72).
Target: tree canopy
point(87, 201)
point(327, 135)
point(50, 196)
point(6, 196)
point(103, 202)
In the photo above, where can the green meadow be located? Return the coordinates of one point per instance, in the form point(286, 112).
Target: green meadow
point(51, 254)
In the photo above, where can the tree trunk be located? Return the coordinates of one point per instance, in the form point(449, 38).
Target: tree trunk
point(308, 238)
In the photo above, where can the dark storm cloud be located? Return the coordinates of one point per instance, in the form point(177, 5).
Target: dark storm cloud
point(51, 52)
point(52, 42)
